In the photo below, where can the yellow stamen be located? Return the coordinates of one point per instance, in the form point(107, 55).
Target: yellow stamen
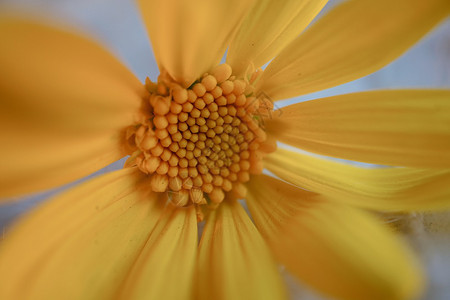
point(201, 142)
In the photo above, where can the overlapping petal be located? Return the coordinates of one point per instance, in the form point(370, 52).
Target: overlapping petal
point(269, 217)
point(338, 250)
point(189, 37)
point(82, 244)
point(64, 100)
point(234, 262)
point(384, 189)
point(166, 265)
point(355, 39)
point(100, 229)
point(403, 128)
point(269, 27)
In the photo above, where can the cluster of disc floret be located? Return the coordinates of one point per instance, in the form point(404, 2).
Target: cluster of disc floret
point(201, 142)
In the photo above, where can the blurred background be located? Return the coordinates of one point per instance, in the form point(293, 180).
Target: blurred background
point(116, 24)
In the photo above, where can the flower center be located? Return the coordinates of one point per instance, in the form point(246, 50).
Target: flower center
point(202, 142)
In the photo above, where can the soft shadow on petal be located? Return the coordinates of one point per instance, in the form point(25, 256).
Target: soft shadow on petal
point(64, 101)
point(383, 189)
point(401, 128)
point(269, 27)
point(81, 244)
point(234, 262)
point(166, 266)
point(263, 202)
point(353, 40)
point(190, 36)
point(340, 251)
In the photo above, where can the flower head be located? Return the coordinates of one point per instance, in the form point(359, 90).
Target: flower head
point(198, 140)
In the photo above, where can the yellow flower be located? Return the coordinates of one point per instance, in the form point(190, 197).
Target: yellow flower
point(198, 140)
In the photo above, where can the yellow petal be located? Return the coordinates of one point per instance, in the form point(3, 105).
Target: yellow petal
point(385, 189)
point(58, 79)
point(234, 262)
point(80, 245)
point(64, 100)
point(264, 194)
point(338, 250)
point(403, 128)
point(166, 266)
point(269, 27)
point(190, 36)
point(355, 39)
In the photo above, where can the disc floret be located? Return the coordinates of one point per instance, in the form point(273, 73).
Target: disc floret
point(201, 142)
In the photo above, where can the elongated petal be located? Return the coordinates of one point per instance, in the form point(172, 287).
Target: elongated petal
point(403, 128)
point(81, 244)
point(189, 37)
point(64, 100)
point(167, 259)
point(234, 262)
point(262, 202)
point(338, 250)
point(355, 39)
point(269, 27)
point(385, 189)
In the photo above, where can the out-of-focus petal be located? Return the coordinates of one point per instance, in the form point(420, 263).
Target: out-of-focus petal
point(269, 27)
point(64, 100)
point(82, 244)
point(384, 189)
point(269, 217)
point(190, 36)
point(168, 258)
point(338, 250)
point(234, 262)
point(355, 39)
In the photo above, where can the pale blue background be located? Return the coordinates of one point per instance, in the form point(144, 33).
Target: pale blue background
point(116, 24)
